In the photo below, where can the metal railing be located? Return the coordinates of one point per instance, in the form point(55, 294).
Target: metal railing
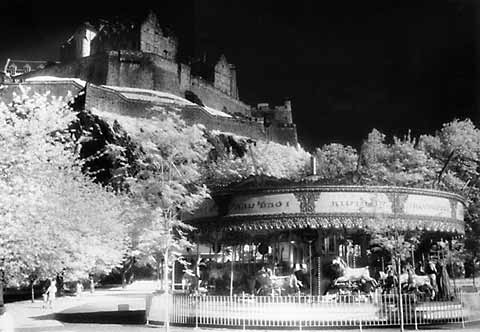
point(318, 311)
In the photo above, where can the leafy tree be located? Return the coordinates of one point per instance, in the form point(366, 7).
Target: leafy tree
point(335, 160)
point(400, 163)
point(54, 219)
point(456, 148)
point(167, 183)
point(261, 158)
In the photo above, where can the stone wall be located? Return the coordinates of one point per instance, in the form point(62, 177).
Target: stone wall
point(239, 127)
point(107, 100)
point(218, 100)
point(283, 133)
point(91, 69)
point(143, 70)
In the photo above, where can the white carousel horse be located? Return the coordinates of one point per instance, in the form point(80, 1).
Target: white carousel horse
point(417, 282)
point(349, 274)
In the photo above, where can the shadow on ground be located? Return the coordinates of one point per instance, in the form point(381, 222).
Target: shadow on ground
point(99, 317)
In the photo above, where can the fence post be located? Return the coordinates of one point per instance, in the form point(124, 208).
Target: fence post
point(414, 306)
point(196, 299)
point(360, 325)
point(243, 309)
point(400, 300)
point(463, 309)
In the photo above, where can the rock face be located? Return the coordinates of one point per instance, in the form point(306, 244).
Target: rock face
point(139, 54)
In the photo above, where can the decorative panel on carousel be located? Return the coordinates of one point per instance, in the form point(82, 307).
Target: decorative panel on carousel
point(263, 204)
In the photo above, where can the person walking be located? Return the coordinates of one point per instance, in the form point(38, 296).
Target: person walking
point(51, 293)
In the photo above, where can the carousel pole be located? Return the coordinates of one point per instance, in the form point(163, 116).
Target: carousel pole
point(197, 267)
point(400, 300)
point(413, 259)
point(231, 271)
point(310, 267)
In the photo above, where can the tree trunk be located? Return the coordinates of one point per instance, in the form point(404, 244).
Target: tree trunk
point(167, 297)
point(124, 280)
point(2, 306)
point(159, 270)
point(32, 290)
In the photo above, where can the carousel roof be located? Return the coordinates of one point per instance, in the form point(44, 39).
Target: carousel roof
point(251, 207)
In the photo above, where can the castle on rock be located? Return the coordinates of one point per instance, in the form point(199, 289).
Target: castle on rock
point(130, 65)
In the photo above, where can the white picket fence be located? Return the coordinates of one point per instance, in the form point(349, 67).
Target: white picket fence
point(312, 311)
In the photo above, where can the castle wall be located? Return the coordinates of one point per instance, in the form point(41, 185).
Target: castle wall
point(283, 134)
point(91, 69)
point(218, 100)
point(166, 76)
point(107, 100)
point(142, 70)
point(111, 101)
point(240, 127)
point(130, 69)
point(150, 71)
point(185, 77)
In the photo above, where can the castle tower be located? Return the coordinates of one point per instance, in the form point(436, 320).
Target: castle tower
point(153, 39)
point(223, 76)
point(283, 114)
point(79, 44)
point(233, 83)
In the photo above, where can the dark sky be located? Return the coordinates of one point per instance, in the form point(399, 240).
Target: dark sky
point(348, 66)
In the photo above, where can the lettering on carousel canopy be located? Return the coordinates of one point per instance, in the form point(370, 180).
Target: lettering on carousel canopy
point(420, 205)
point(266, 204)
point(350, 202)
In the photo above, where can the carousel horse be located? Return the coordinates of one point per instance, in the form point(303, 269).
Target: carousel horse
point(348, 274)
point(269, 284)
point(420, 284)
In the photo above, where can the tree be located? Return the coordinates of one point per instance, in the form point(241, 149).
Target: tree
point(167, 184)
point(456, 148)
point(335, 160)
point(261, 158)
point(54, 219)
point(400, 163)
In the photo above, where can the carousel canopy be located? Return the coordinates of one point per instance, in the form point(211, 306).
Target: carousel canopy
point(300, 206)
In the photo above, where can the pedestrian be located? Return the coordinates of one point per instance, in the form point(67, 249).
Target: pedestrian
point(79, 289)
point(52, 291)
point(45, 293)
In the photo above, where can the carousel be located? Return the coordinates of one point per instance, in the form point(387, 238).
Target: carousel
point(305, 241)
point(304, 229)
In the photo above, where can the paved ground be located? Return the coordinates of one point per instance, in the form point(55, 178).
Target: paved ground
point(91, 309)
